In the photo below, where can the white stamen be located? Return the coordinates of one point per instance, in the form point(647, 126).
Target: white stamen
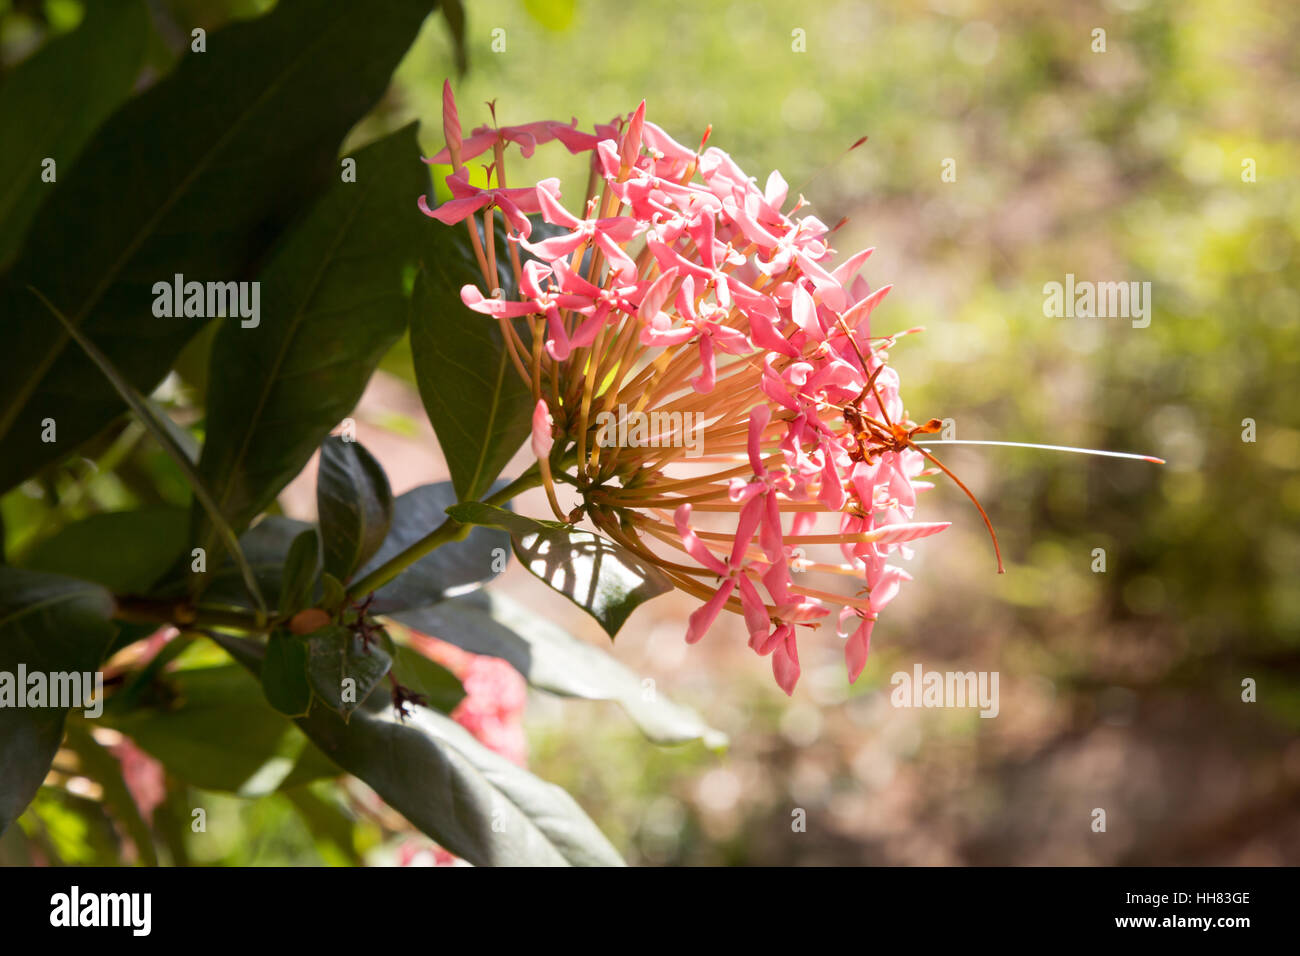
point(1019, 444)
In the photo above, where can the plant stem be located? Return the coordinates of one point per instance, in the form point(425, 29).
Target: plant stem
point(449, 530)
point(183, 615)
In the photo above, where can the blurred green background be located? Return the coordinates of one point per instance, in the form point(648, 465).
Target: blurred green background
point(1121, 689)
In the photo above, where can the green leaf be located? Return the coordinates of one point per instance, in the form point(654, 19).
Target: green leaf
point(266, 547)
point(198, 176)
point(165, 438)
point(455, 568)
point(553, 660)
point(342, 669)
point(454, 11)
point(54, 101)
point(125, 551)
point(606, 580)
point(490, 516)
point(472, 801)
point(333, 594)
point(355, 505)
point(439, 686)
point(479, 406)
point(298, 581)
point(333, 304)
point(48, 624)
point(215, 730)
point(284, 674)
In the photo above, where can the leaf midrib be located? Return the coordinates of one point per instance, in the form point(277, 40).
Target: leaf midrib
point(61, 598)
point(110, 275)
point(290, 335)
point(473, 491)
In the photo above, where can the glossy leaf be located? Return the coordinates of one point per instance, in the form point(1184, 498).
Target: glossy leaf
point(454, 11)
point(332, 305)
point(277, 94)
point(455, 568)
point(53, 102)
point(437, 685)
point(472, 801)
point(490, 516)
point(606, 580)
point(480, 408)
point(355, 505)
point(298, 581)
point(266, 547)
point(553, 660)
point(284, 674)
point(152, 422)
point(342, 669)
point(48, 623)
point(125, 551)
point(214, 729)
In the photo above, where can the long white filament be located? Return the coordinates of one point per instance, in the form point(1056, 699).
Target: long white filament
point(1019, 444)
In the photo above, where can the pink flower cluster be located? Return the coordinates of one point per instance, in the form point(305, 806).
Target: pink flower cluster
point(683, 286)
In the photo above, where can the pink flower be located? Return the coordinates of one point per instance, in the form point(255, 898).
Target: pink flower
point(513, 203)
point(607, 235)
point(684, 289)
point(542, 440)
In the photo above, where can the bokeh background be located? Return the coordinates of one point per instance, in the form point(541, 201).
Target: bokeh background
point(1121, 689)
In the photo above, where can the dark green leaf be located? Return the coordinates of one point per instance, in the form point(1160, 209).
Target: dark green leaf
point(553, 660)
point(196, 176)
point(284, 674)
point(53, 102)
point(455, 14)
point(332, 593)
point(480, 408)
point(48, 623)
point(216, 731)
point(333, 304)
point(439, 686)
point(490, 516)
point(474, 802)
point(454, 568)
point(606, 580)
point(355, 505)
point(164, 436)
point(266, 547)
point(125, 551)
point(342, 669)
point(298, 581)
